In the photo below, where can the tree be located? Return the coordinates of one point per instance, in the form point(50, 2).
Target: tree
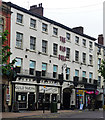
point(102, 69)
point(7, 68)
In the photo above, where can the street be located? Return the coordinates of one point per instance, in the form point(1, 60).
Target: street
point(62, 114)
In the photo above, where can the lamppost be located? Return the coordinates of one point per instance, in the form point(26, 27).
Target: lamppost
point(64, 66)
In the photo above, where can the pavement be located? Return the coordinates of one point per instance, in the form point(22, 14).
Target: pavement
point(48, 114)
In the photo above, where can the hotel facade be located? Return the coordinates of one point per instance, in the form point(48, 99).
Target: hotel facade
point(54, 62)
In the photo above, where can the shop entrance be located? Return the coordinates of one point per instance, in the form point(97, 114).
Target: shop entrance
point(31, 101)
point(66, 98)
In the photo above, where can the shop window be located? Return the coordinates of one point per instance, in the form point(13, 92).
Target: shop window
point(54, 97)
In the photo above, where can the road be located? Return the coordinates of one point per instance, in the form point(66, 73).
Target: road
point(62, 115)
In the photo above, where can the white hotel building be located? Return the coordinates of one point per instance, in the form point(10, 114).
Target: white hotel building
point(45, 51)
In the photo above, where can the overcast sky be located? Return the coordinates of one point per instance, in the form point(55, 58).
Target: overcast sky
point(72, 13)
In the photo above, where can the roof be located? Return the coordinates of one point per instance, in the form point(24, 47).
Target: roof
point(99, 45)
point(48, 20)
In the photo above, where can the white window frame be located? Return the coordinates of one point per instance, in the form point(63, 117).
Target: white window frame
point(44, 27)
point(19, 18)
point(68, 35)
point(55, 31)
point(76, 56)
point(19, 40)
point(32, 23)
point(55, 49)
point(76, 39)
point(33, 44)
point(68, 53)
point(44, 46)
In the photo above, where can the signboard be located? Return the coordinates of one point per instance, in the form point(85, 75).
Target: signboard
point(24, 88)
point(48, 89)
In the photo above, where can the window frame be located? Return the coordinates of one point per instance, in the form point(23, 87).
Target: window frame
point(90, 44)
point(55, 73)
point(68, 53)
point(68, 36)
point(44, 46)
point(55, 31)
point(19, 20)
point(55, 49)
point(32, 25)
point(76, 57)
point(33, 44)
point(44, 27)
point(84, 42)
point(19, 40)
point(76, 39)
point(44, 71)
point(90, 60)
point(84, 58)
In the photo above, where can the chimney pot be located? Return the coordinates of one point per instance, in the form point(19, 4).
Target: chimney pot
point(101, 39)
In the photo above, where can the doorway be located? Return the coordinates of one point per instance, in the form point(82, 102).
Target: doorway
point(66, 98)
point(31, 101)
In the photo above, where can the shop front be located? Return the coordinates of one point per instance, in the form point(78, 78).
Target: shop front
point(46, 96)
point(25, 96)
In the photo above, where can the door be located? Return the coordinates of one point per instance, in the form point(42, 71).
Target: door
point(66, 98)
point(31, 101)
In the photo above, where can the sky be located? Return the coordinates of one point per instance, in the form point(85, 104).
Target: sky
point(72, 13)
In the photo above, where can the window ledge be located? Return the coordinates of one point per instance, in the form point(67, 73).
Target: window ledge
point(55, 56)
point(68, 41)
point(44, 53)
point(77, 44)
point(90, 65)
point(33, 28)
point(20, 23)
point(84, 46)
point(32, 51)
point(68, 60)
point(45, 32)
point(90, 48)
point(55, 36)
point(76, 62)
point(19, 48)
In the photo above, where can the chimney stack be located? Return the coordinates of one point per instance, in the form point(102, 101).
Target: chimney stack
point(101, 39)
point(37, 9)
point(79, 29)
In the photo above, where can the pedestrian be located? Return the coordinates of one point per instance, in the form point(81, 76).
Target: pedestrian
point(88, 103)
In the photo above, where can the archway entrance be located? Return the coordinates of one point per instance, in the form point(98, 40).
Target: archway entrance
point(66, 98)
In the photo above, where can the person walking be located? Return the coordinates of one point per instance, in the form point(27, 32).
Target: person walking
point(88, 103)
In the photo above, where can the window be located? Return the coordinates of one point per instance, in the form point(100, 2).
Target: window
point(90, 59)
point(32, 43)
point(32, 23)
point(55, 31)
point(98, 50)
point(44, 68)
point(1, 24)
point(68, 36)
point(19, 18)
point(99, 81)
point(32, 67)
point(18, 65)
point(84, 42)
point(90, 44)
point(99, 63)
point(68, 53)
point(84, 74)
point(44, 46)
point(90, 77)
point(77, 73)
point(44, 27)
point(104, 52)
point(55, 67)
point(76, 39)
point(67, 73)
point(55, 49)
point(84, 58)
point(76, 56)
point(19, 38)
